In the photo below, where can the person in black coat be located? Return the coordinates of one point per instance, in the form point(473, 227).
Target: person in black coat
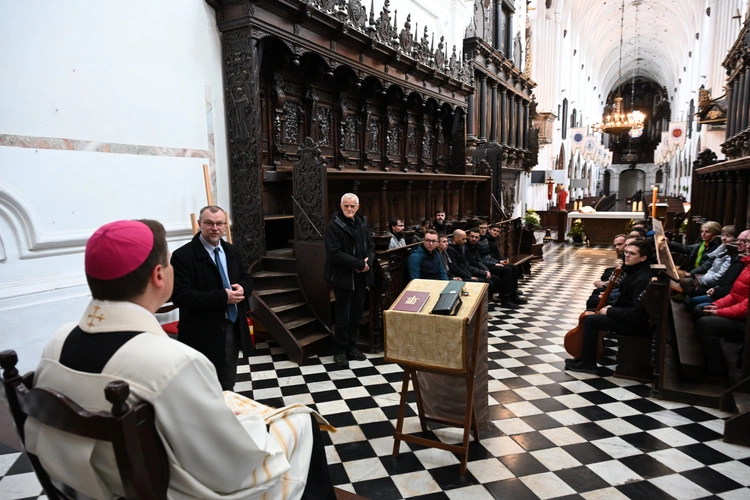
point(213, 313)
point(350, 251)
point(627, 315)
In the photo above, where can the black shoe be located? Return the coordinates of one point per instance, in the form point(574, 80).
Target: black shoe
point(518, 292)
point(355, 355)
point(340, 360)
point(572, 360)
point(518, 300)
point(581, 367)
point(508, 304)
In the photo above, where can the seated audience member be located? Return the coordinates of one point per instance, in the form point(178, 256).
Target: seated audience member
point(507, 271)
point(627, 315)
point(601, 285)
point(726, 282)
point(698, 252)
point(725, 318)
point(424, 260)
point(420, 231)
point(494, 234)
point(508, 289)
point(637, 232)
point(713, 267)
point(212, 453)
point(397, 234)
point(463, 268)
point(439, 224)
point(446, 259)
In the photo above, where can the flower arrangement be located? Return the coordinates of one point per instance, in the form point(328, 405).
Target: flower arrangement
point(532, 218)
point(576, 229)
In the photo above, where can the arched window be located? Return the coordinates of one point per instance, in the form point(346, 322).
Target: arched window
point(565, 119)
point(659, 176)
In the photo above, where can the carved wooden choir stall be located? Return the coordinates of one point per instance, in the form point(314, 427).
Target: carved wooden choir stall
point(323, 98)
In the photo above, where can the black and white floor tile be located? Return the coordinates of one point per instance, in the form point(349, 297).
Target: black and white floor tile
point(555, 434)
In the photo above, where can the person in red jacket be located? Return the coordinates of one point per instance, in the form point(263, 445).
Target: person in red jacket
point(725, 318)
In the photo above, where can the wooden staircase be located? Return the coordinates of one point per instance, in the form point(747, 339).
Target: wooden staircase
point(279, 303)
point(737, 399)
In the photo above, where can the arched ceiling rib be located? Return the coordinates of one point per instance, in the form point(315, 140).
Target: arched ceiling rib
point(666, 33)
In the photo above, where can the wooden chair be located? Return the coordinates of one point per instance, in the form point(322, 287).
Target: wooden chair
point(139, 452)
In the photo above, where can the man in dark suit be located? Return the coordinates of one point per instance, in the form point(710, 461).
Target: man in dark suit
point(349, 253)
point(210, 287)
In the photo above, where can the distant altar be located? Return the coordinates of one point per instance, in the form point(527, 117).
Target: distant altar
point(601, 227)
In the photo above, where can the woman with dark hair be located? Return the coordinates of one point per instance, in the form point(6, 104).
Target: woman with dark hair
point(396, 227)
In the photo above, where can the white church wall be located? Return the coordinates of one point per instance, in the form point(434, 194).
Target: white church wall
point(108, 115)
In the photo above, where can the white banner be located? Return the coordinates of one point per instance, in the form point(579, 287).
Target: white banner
point(666, 146)
point(589, 147)
point(577, 135)
point(677, 134)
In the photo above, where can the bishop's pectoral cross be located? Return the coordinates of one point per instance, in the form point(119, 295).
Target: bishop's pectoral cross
point(94, 316)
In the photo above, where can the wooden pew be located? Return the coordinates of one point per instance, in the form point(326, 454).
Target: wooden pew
point(689, 350)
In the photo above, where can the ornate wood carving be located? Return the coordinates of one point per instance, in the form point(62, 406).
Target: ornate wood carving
point(309, 186)
point(243, 131)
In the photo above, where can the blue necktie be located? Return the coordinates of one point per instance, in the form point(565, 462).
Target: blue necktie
point(231, 308)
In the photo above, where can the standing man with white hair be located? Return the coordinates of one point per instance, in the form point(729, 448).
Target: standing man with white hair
point(350, 252)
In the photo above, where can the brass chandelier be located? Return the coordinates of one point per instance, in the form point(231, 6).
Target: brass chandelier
point(618, 121)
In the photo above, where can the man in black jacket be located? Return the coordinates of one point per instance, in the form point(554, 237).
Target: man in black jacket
point(349, 252)
point(505, 284)
point(464, 266)
point(211, 284)
point(627, 315)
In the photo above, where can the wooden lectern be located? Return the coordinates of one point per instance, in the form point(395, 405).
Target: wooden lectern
point(450, 354)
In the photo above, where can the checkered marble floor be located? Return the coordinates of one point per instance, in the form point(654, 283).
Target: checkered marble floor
point(555, 434)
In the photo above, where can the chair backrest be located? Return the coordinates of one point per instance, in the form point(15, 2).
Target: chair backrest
point(139, 452)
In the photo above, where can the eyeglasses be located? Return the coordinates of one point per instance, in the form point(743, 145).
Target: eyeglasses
point(430, 241)
point(208, 223)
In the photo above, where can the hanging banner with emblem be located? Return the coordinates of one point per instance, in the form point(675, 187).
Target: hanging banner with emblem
point(589, 148)
point(577, 135)
point(677, 134)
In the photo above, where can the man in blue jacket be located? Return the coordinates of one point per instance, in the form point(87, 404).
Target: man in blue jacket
point(424, 261)
point(350, 251)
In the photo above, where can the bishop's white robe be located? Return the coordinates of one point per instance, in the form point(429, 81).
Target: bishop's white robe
point(213, 454)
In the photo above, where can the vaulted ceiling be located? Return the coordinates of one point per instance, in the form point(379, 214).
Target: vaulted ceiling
point(665, 36)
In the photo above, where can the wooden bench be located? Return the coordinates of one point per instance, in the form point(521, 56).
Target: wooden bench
point(677, 356)
point(689, 350)
point(634, 358)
